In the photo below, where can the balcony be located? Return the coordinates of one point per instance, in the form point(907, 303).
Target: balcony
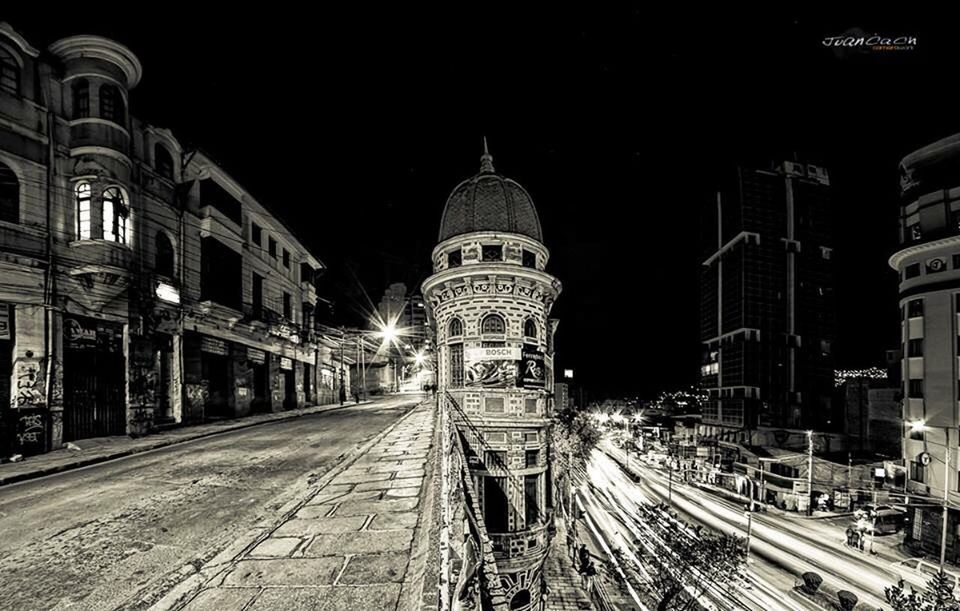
point(521, 543)
point(97, 132)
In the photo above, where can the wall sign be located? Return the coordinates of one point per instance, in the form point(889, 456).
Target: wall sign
point(491, 367)
point(286, 363)
point(532, 370)
point(213, 345)
point(258, 357)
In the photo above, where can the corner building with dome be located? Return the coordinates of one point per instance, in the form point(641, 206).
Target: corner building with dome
point(490, 298)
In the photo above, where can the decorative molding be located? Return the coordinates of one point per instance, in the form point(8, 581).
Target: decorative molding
point(79, 151)
point(98, 47)
point(898, 257)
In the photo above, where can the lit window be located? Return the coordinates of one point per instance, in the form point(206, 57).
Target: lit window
point(9, 72)
point(115, 216)
point(83, 211)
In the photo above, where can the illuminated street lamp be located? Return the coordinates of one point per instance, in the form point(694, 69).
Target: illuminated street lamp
point(918, 426)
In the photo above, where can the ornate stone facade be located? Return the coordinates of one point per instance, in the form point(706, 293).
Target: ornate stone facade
point(490, 300)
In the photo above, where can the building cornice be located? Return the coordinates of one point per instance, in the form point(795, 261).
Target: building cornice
point(927, 247)
point(98, 47)
point(484, 271)
point(18, 40)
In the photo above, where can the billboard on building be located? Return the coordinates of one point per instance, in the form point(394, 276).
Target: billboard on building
point(532, 370)
point(491, 367)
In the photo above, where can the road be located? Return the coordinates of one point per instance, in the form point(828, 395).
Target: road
point(103, 536)
point(779, 546)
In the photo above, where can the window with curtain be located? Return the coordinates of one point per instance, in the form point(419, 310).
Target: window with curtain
point(9, 72)
point(81, 99)
point(115, 215)
point(83, 192)
point(9, 195)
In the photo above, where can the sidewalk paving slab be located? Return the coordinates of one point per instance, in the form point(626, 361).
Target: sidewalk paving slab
point(334, 550)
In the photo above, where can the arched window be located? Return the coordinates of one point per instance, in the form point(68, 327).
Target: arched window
point(9, 195)
point(164, 255)
point(530, 328)
point(115, 215)
point(162, 161)
point(493, 324)
point(112, 107)
point(83, 210)
point(81, 99)
point(455, 328)
point(9, 72)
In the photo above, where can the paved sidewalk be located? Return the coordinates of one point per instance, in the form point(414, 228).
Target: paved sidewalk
point(563, 582)
point(93, 451)
point(354, 543)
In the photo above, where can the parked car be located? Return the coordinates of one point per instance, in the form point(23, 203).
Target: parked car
point(880, 519)
point(917, 572)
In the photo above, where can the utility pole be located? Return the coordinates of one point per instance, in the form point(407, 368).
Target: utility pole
point(749, 512)
point(343, 391)
point(670, 480)
point(946, 497)
point(810, 472)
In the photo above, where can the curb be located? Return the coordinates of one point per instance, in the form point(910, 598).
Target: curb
point(185, 591)
point(94, 460)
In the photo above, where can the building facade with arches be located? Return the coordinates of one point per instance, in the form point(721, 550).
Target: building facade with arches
point(490, 298)
point(139, 282)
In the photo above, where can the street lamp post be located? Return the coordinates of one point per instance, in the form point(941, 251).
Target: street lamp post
point(810, 472)
point(921, 426)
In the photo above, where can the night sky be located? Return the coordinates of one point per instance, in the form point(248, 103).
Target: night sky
point(356, 126)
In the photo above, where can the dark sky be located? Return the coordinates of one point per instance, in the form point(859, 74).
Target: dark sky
point(355, 126)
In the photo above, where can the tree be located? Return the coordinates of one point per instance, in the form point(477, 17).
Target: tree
point(574, 437)
point(682, 563)
point(938, 596)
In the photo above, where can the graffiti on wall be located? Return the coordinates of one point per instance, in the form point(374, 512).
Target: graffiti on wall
point(29, 383)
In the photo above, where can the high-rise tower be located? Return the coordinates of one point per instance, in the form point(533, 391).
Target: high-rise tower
point(767, 319)
point(490, 298)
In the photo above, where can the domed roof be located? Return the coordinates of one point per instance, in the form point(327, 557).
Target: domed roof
point(489, 202)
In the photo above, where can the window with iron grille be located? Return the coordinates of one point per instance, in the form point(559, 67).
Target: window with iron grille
point(456, 365)
point(493, 324)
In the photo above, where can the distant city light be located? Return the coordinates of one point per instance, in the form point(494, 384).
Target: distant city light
point(568, 374)
point(840, 376)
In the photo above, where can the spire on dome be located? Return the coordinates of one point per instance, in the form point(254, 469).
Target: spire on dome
point(486, 160)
